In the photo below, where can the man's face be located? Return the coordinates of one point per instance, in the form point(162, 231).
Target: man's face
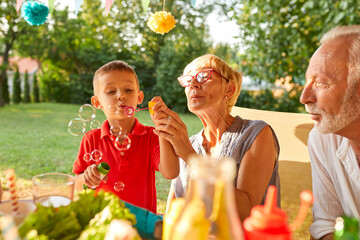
point(327, 97)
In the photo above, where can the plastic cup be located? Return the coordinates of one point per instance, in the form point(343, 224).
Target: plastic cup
point(25, 207)
point(53, 189)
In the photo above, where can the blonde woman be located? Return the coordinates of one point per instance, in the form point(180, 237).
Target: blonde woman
point(212, 88)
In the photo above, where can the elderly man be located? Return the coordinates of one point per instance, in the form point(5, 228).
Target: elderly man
point(332, 98)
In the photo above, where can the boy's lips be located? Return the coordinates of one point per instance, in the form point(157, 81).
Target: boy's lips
point(122, 106)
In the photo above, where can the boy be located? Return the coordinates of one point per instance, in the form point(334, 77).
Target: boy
point(116, 86)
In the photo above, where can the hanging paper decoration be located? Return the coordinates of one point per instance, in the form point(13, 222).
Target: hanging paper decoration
point(108, 4)
point(18, 5)
point(193, 2)
point(161, 22)
point(34, 13)
point(51, 5)
point(78, 4)
point(145, 4)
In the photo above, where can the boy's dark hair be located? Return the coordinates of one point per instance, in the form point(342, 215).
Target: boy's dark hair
point(116, 65)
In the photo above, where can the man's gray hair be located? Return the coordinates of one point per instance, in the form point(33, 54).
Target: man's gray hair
point(354, 50)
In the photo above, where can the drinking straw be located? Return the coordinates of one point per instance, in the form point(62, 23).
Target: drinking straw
point(10, 177)
point(306, 200)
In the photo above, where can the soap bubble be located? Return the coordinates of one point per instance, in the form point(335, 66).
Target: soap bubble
point(76, 127)
point(95, 124)
point(87, 157)
point(87, 112)
point(96, 155)
point(129, 111)
point(122, 142)
point(115, 130)
point(113, 109)
point(119, 186)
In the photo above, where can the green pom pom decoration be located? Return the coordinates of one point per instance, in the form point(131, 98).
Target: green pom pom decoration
point(34, 13)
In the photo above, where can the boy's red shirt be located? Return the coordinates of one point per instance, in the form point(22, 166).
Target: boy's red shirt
point(134, 167)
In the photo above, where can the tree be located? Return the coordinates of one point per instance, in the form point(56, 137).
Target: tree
point(36, 92)
point(11, 27)
point(17, 87)
point(26, 88)
point(78, 47)
point(173, 60)
point(280, 36)
point(5, 90)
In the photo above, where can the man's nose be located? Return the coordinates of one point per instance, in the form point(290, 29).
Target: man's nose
point(308, 94)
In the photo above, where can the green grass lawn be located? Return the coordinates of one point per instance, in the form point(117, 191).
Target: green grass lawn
point(34, 139)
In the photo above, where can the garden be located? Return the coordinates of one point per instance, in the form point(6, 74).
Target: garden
point(274, 45)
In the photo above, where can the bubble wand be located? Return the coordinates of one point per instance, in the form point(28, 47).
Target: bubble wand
point(10, 176)
point(130, 110)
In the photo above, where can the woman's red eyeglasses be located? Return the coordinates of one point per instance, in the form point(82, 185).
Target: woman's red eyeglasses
point(202, 76)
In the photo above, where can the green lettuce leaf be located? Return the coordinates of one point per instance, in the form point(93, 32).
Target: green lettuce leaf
point(92, 211)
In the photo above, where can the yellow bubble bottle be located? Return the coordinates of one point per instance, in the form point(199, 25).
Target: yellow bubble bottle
point(170, 218)
point(210, 210)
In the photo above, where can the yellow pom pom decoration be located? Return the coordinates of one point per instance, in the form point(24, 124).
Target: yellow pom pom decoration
point(161, 22)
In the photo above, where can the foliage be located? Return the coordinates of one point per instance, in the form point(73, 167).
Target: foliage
point(12, 26)
point(80, 88)
point(16, 87)
point(26, 88)
point(80, 46)
point(36, 90)
point(54, 84)
point(265, 100)
point(172, 62)
point(5, 89)
point(281, 36)
point(227, 53)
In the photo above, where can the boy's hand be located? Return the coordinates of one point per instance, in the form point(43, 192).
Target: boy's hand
point(92, 176)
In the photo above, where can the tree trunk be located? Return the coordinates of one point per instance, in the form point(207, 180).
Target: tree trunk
point(4, 67)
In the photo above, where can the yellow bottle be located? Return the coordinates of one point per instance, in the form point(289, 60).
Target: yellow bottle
point(210, 211)
point(170, 218)
point(225, 222)
point(192, 224)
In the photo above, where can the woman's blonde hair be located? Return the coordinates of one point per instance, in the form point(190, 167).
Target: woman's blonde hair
point(219, 65)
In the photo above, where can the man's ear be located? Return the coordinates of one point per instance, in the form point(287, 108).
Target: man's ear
point(95, 102)
point(140, 97)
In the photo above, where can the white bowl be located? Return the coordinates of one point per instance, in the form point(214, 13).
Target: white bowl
point(25, 207)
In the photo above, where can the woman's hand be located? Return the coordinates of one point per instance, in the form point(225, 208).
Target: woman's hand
point(158, 114)
point(169, 126)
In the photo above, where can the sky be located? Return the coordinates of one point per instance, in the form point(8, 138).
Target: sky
point(221, 31)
